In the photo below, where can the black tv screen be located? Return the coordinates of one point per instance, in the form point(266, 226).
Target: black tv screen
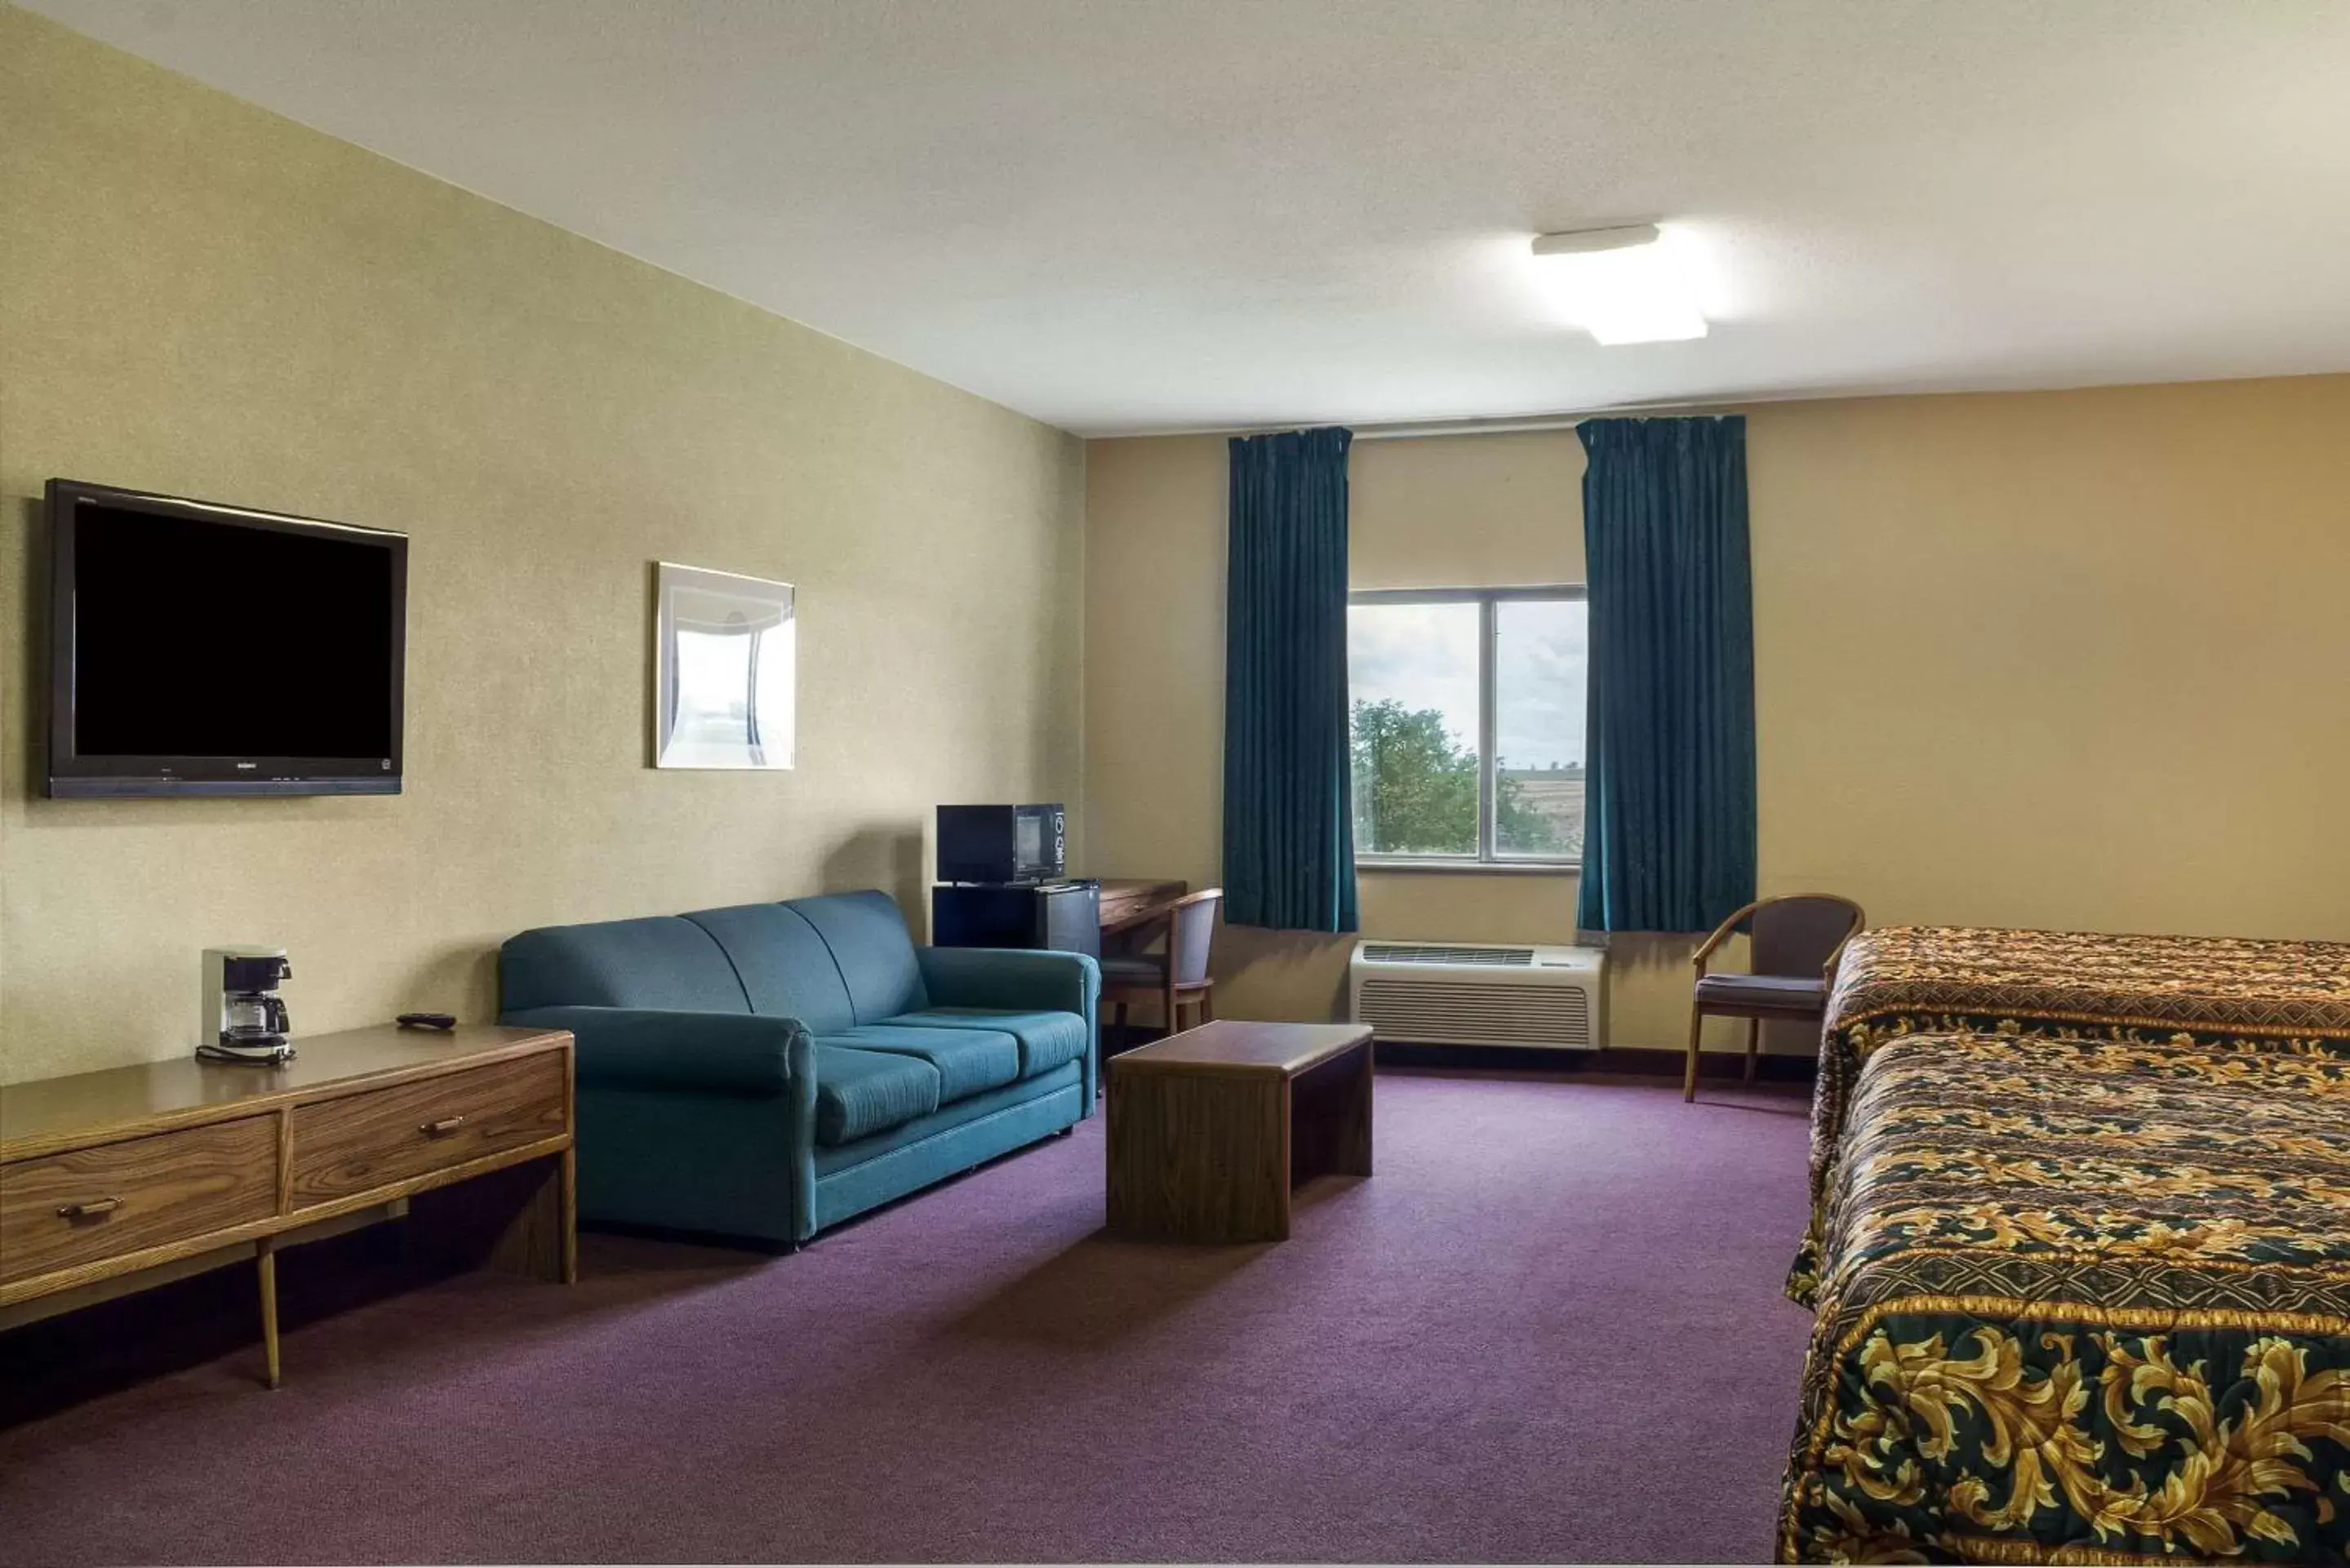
point(206, 649)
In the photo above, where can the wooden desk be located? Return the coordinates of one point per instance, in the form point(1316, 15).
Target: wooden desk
point(1211, 1129)
point(109, 1174)
point(1127, 902)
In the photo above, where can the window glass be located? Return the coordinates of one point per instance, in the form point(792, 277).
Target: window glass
point(1539, 653)
point(1414, 674)
point(1433, 694)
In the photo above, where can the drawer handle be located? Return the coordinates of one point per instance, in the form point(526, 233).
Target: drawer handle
point(90, 1210)
point(443, 1128)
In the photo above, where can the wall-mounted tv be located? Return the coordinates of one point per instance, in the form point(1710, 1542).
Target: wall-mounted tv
point(204, 649)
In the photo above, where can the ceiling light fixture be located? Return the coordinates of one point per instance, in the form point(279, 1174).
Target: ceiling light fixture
point(1621, 284)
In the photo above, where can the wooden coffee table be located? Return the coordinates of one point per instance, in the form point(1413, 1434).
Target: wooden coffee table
point(1210, 1130)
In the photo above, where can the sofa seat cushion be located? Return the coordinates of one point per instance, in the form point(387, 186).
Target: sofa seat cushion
point(1013, 1097)
point(966, 1060)
point(863, 1092)
point(1046, 1039)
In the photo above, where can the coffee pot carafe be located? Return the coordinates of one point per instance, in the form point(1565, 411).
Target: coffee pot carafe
point(243, 1017)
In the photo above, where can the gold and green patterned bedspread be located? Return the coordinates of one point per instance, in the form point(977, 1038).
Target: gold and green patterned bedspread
point(2083, 1299)
point(1904, 980)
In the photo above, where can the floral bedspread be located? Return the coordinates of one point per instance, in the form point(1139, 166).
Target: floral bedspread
point(1896, 981)
point(2083, 1299)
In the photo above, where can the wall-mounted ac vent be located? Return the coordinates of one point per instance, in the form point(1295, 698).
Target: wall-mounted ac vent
point(1429, 953)
point(1441, 993)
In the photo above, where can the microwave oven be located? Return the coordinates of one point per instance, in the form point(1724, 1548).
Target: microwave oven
point(1002, 842)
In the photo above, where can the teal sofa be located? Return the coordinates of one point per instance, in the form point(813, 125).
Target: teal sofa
point(769, 1070)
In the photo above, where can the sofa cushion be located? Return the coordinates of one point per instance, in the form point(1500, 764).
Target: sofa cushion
point(666, 962)
point(861, 1092)
point(1046, 1039)
point(967, 1060)
point(784, 966)
point(947, 1120)
point(869, 941)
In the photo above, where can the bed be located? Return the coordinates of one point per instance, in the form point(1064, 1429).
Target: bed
point(1894, 980)
point(2086, 1300)
point(2080, 1253)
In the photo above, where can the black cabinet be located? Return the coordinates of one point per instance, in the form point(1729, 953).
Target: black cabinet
point(1063, 915)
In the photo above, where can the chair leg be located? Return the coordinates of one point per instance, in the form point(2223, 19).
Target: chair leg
point(1754, 1040)
point(1208, 1002)
point(1170, 1003)
point(1688, 1073)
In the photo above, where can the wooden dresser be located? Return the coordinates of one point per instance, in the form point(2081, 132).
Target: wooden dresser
point(160, 1169)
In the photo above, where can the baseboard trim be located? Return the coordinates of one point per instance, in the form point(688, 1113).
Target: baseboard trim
point(1624, 1061)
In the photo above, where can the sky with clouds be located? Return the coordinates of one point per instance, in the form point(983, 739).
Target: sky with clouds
point(1425, 655)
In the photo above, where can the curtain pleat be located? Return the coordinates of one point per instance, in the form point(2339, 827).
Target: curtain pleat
point(1289, 848)
point(1670, 814)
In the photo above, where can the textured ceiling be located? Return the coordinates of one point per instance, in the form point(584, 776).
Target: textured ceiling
point(1122, 216)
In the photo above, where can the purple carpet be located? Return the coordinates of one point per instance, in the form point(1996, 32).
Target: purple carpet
point(1550, 1328)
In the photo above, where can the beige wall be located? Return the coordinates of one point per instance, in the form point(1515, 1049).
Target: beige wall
point(2060, 659)
point(2053, 659)
point(199, 298)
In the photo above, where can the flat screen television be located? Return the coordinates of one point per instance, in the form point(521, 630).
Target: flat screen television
point(204, 649)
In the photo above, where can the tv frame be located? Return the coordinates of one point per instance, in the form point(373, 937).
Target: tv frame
point(71, 776)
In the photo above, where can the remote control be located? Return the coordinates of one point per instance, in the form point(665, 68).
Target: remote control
point(427, 1021)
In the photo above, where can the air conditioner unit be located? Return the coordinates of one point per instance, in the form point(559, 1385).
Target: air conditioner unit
point(1437, 994)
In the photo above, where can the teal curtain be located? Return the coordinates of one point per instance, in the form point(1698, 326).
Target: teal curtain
point(1289, 845)
point(1668, 808)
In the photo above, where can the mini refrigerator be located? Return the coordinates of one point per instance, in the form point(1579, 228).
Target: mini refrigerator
point(1063, 915)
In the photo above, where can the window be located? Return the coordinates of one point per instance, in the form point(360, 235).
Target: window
point(1467, 724)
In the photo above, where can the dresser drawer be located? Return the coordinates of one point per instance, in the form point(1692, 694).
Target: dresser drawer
point(91, 1204)
point(371, 1139)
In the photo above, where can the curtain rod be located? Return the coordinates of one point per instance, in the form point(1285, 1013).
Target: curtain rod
point(1508, 424)
point(1511, 425)
point(1468, 426)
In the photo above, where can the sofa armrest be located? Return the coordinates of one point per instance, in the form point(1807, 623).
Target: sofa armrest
point(709, 1052)
point(1015, 979)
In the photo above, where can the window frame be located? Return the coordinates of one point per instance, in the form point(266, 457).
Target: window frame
point(1487, 858)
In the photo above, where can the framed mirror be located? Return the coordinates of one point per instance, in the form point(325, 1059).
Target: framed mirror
point(725, 670)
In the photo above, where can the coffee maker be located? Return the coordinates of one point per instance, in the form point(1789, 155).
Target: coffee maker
point(243, 1019)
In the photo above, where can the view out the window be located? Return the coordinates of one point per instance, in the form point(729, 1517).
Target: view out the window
point(1440, 682)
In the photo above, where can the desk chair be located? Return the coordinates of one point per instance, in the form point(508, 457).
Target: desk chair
point(1171, 977)
point(1796, 941)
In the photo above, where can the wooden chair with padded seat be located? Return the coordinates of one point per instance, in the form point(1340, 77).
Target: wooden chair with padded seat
point(1171, 977)
point(1794, 943)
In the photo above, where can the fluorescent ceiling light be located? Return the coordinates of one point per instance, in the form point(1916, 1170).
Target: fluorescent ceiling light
point(1623, 285)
